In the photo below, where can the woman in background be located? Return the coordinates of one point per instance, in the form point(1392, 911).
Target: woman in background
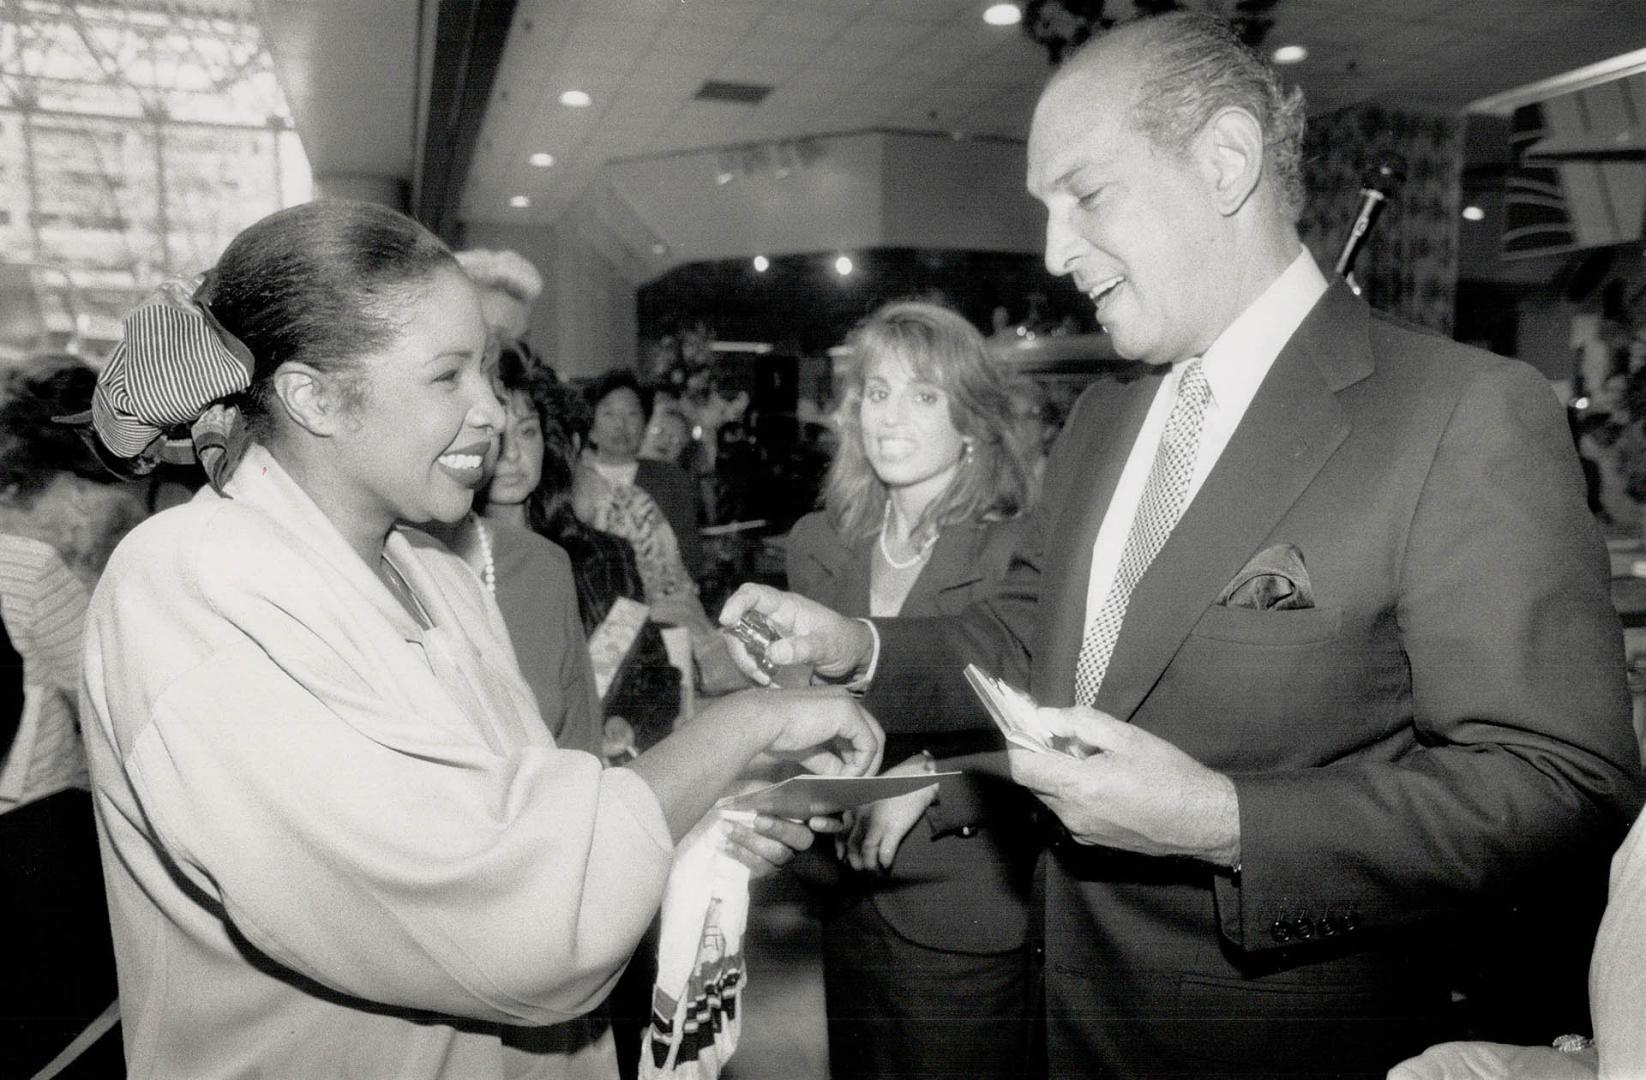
point(926, 961)
point(338, 838)
point(59, 520)
point(616, 430)
point(532, 487)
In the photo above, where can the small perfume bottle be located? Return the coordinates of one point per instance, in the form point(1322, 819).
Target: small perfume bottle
point(757, 633)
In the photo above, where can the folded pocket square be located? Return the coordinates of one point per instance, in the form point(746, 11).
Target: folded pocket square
point(1275, 580)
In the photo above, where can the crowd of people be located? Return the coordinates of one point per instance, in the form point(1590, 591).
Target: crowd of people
point(369, 757)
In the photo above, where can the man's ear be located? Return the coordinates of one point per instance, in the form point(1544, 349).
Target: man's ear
point(1232, 149)
point(307, 398)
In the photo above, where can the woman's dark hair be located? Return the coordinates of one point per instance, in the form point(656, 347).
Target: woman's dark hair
point(564, 416)
point(33, 449)
point(318, 283)
point(613, 381)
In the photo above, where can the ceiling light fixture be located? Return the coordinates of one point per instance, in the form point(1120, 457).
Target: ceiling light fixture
point(660, 249)
point(761, 264)
point(1003, 15)
point(576, 99)
point(541, 160)
point(724, 178)
point(1289, 54)
point(843, 266)
point(520, 202)
point(1473, 213)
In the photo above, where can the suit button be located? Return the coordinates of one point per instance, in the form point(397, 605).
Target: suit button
point(1303, 927)
point(968, 830)
point(1281, 930)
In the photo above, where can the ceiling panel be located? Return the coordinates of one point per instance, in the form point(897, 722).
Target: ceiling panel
point(933, 65)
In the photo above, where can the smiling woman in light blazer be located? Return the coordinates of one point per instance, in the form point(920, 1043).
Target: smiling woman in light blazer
point(925, 957)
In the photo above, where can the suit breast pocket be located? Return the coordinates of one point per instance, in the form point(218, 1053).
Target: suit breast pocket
point(1279, 628)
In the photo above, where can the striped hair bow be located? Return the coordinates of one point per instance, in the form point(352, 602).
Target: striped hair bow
point(160, 396)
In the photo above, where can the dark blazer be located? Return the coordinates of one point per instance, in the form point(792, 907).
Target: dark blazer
point(676, 494)
point(1447, 722)
point(962, 881)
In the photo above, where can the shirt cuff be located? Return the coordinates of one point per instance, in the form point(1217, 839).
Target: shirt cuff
point(861, 683)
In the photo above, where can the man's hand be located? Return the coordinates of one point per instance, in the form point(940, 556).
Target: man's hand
point(823, 728)
point(879, 828)
point(1136, 792)
point(834, 646)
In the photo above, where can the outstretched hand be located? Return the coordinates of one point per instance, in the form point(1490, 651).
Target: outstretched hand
point(825, 729)
point(836, 647)
point(1135, 791)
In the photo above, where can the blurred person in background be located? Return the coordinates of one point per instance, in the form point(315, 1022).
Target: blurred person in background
point(668, 437)
point(616, 429)
point(612, 497)
point(926, 954)
point(59, 520)
point(533, 487)
point(338, 838)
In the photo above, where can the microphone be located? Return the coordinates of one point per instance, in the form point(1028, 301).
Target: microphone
point(1375, 191)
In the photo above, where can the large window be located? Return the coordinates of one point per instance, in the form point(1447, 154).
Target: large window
point(136, 138)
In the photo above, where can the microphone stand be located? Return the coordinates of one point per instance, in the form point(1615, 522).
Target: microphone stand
point(1374, 195)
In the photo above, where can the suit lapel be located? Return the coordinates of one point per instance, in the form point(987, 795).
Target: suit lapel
point(1088, 463)
point(951, 566)
point(1292, 427)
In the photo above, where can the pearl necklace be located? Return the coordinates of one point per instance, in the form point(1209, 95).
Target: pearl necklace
point(488, 570)
point(920, 554)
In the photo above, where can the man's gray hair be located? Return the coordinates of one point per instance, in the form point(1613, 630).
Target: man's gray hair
point(1196, 66)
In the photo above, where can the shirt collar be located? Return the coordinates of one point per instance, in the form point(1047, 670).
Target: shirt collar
point(1237, 361)
point(260, 482)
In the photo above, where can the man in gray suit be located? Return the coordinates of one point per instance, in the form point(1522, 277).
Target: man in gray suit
point(1322, 591)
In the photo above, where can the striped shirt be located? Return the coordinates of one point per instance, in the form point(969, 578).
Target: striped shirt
point(44, 608)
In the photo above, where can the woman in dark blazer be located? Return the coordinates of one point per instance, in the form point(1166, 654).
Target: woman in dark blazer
point(926, 963)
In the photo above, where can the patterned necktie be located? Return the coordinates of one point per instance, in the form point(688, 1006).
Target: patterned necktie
point(1157, 512)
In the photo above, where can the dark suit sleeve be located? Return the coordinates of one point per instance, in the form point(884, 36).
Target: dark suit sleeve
point(1524, 755)
point(676, 494)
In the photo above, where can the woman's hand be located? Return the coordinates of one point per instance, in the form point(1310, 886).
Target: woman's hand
point(825, 729)
point(879, 828)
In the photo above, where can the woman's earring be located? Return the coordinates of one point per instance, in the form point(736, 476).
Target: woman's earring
point(968, 454)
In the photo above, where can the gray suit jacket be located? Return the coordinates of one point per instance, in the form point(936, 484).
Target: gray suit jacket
point(1446, 725)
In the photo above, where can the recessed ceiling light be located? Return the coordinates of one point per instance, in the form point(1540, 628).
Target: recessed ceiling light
point(843, 266)
point(541, 160)
point(724, 178)
point(576, 99)
point(1003, 15)
point(1473, 213)
point(1289, 54)
point(520, 202)
point(761, 263)
point(660, 249)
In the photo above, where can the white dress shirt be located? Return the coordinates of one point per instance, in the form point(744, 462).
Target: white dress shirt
point(1235, 366)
